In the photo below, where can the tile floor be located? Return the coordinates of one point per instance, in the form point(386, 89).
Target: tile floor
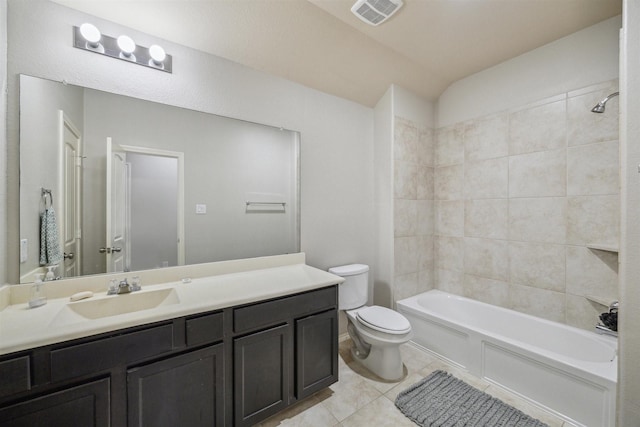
point(361, 399)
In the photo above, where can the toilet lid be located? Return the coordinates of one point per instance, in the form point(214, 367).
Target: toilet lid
point(384, 320)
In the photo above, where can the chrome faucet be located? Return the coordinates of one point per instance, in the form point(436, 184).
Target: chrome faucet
point(123, 287)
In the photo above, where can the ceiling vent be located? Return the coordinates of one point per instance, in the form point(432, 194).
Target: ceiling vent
point(375, 12)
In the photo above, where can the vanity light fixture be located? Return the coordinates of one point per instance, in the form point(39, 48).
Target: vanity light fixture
point(158, 55)
point(127, 47)
point(88, 37)
point(92, 36)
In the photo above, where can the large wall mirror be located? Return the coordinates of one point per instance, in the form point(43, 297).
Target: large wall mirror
point(110, 183)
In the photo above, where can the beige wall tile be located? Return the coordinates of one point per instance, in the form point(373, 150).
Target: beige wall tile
point(538, 302)
point(585, 127)
point(449, 147)
point(449, 181)
point(486, 258)
point(449, 218)
point(539, 128)
point(593, 169)
point(405, 140)
point(405, 217)
point(426, 146)
point(592, 272)
point(450, 281)
point(593, 219)
point(424, 190)
point(487, 138)
point(405, 180)
point(426, 280)
point(426, 217)
point(405, 255)
point(486, 179)
point(425, 253)
point(540, 174)
point(488, 218)
point(405, 286)
point(538, 219)
point(540, 265)
point(491, 291)
point(449, 253)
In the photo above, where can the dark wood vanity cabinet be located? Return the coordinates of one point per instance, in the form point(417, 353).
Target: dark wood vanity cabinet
point(236, 366)
point(85, 405)
point(183, 390)
point(289, 353)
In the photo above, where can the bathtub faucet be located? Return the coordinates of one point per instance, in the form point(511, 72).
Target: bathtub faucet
point(609, 321)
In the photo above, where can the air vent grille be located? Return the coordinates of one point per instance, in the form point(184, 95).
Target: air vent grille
point(375, 12)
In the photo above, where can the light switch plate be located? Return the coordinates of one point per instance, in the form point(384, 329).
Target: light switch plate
point(201, 209)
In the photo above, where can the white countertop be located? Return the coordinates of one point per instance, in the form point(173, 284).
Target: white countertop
point(23, 328)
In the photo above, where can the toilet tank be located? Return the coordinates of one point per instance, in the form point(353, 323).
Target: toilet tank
point(354, 291)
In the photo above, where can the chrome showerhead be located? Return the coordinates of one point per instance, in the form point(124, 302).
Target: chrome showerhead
point(599, 108)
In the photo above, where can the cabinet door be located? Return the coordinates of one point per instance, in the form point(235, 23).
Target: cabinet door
point(261, 374)
point(86, 405)
point(185, 390)
point(316, 352)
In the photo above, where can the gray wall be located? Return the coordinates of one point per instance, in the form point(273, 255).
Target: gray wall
point(629, 374)
point(337, 225)
point(3, 142)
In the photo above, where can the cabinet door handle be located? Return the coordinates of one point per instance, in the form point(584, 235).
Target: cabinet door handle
point(69, 255)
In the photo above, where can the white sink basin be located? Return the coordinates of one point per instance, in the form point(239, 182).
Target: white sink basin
point(113, 305)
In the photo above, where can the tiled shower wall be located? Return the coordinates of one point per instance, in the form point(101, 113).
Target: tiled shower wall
point(413, 166)
point(519, 197)
point(503, 208)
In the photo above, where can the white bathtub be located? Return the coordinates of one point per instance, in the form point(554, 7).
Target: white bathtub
point(570, 371)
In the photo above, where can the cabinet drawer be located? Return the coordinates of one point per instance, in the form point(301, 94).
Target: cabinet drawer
point(105, 353)
point(15, 376)
point(204, 329)
point(276, 311)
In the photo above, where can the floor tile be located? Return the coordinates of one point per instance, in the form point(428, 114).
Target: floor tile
point(380, 413)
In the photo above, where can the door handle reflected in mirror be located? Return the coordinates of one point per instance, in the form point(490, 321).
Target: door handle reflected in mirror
point(69, 255)
point(109, 250)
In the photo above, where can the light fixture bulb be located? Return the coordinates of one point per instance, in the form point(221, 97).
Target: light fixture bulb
point(91, 34)
point(126, 45)
point(157, 54)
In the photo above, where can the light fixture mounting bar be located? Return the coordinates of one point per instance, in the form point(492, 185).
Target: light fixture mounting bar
point(109, 47)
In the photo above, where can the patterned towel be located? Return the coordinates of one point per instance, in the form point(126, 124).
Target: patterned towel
point(50, 251)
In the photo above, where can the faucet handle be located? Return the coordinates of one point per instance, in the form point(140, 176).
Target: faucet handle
point(135, 283)
point(113, 287)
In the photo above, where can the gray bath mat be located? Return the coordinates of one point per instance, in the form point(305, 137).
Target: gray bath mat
point(442, 400)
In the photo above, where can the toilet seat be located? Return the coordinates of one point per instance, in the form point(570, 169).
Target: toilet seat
point(384, 320)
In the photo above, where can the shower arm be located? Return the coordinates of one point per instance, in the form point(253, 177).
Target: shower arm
point(599, 107)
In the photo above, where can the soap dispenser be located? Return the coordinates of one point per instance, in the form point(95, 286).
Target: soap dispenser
point(37, 296)
point(50, 275)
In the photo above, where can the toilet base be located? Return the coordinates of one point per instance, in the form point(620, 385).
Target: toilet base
point(383, 361)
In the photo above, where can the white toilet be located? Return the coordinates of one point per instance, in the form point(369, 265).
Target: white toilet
point(376, 332)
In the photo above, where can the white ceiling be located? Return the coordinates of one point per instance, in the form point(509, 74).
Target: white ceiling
point(424, 47)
